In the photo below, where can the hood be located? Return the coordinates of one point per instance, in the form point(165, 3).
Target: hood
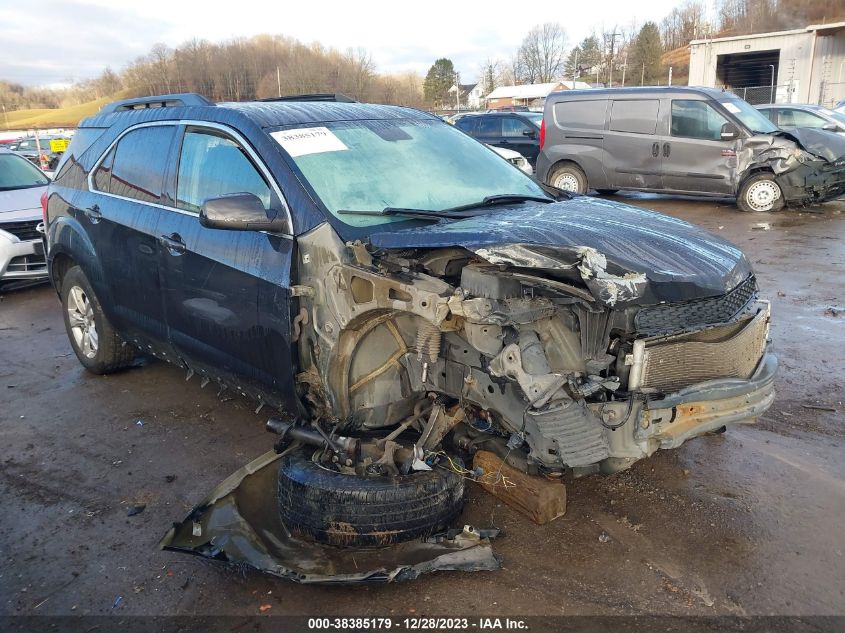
point(823, 143)
point(623, 254)
point(21, 204)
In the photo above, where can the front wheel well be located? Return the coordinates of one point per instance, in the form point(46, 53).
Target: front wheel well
point(61, 264)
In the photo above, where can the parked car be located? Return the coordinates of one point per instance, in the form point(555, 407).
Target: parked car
point(514, 158)
point(401, 297)
point(685, 140)
point(21, 248)
point(52, 148)
point(514, 108)
point(791, 116)
point(517, 131)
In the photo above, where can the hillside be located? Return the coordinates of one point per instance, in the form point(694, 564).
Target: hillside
point(57, 117)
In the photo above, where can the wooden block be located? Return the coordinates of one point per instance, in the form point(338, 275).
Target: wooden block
point(540, 499)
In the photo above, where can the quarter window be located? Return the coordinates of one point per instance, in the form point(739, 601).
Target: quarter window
point(212, 165)
point(696, 119)
point(139, 163)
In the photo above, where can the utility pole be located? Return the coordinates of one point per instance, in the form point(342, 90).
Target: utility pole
point(624, 68)
point(279, 80)
point(670, 75)
point(458, 91)
point(574, 71)
point(610, 68)
point(642, 77)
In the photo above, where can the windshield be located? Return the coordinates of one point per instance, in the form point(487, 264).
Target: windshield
point(836, 116)
point(419, 164)
point(19, 173)
point(535, 117)
point(749, 116)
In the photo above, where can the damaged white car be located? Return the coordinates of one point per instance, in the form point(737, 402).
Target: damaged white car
point(406, 300)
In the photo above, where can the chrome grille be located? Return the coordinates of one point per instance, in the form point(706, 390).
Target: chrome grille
point(24, 231)
point(727, 351)
point(693, 315)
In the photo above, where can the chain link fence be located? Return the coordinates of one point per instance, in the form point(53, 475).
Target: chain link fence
point(830, 93)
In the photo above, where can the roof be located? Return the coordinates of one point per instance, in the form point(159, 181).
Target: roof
point(604, 92)
point(812, 28)
point(265, 114)
point(528, 91)
point(576, 85)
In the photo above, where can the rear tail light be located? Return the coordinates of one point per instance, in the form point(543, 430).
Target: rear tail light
point(44, 198)
point(542, 133)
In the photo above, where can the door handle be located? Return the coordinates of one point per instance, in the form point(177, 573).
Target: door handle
point(667, 149)
point(173, 243)
point(655, 149)
point(93, 214)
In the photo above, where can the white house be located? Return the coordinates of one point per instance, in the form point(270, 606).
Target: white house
point(472, 95)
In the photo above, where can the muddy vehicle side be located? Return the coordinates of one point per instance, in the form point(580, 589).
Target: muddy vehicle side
point(682, 140)
point(567, 335)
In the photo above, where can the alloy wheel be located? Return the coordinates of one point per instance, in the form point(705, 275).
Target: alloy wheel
point(82, 324)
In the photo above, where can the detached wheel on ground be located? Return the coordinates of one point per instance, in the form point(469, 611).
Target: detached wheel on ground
point(759, 194)
point(96, 343)
point(568, 177)
point(346, 510)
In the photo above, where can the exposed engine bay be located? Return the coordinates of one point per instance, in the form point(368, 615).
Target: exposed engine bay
point(414, 356)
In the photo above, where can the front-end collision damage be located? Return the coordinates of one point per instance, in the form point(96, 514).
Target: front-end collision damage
point(238, 524)
point(436, 346)
point(809, 164)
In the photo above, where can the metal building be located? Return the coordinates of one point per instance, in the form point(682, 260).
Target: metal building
point(799, 66)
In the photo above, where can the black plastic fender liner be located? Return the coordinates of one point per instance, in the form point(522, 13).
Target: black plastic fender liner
point(238, 523)
point(346, 510)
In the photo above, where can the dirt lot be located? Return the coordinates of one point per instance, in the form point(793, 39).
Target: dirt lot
point(749, 522)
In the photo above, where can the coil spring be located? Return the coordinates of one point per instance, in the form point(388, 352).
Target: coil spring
point(428, 341)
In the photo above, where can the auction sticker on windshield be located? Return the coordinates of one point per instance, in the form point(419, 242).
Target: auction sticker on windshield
point(308, 140)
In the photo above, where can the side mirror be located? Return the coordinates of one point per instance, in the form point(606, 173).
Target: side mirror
point(529, 133)
point(729, 132)
point(241, 212)
point(830, 127)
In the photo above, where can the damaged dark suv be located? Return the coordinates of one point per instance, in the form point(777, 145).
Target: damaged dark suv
point(402, 297)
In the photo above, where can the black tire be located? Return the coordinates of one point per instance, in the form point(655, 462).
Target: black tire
point(345, 510)
point(110, 353)
point(760, 194)
point(569, 175)
point(607, 192)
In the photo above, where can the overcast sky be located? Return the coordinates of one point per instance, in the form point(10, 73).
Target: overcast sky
point(44, 42)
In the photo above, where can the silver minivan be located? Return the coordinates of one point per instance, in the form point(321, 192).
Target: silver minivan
point(684, 140)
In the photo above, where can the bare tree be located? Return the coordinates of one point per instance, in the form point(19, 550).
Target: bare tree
point(541, 55)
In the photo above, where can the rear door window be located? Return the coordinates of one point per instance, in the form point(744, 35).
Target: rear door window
point(213, 165)
point(638, 116)
point(696, 119)
point(489, 126)
point(140, 160)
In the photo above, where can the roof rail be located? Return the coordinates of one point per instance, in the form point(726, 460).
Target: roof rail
point(156, 101)
point(319, 96)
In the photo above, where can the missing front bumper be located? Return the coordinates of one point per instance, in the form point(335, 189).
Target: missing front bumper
point(708, 406)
